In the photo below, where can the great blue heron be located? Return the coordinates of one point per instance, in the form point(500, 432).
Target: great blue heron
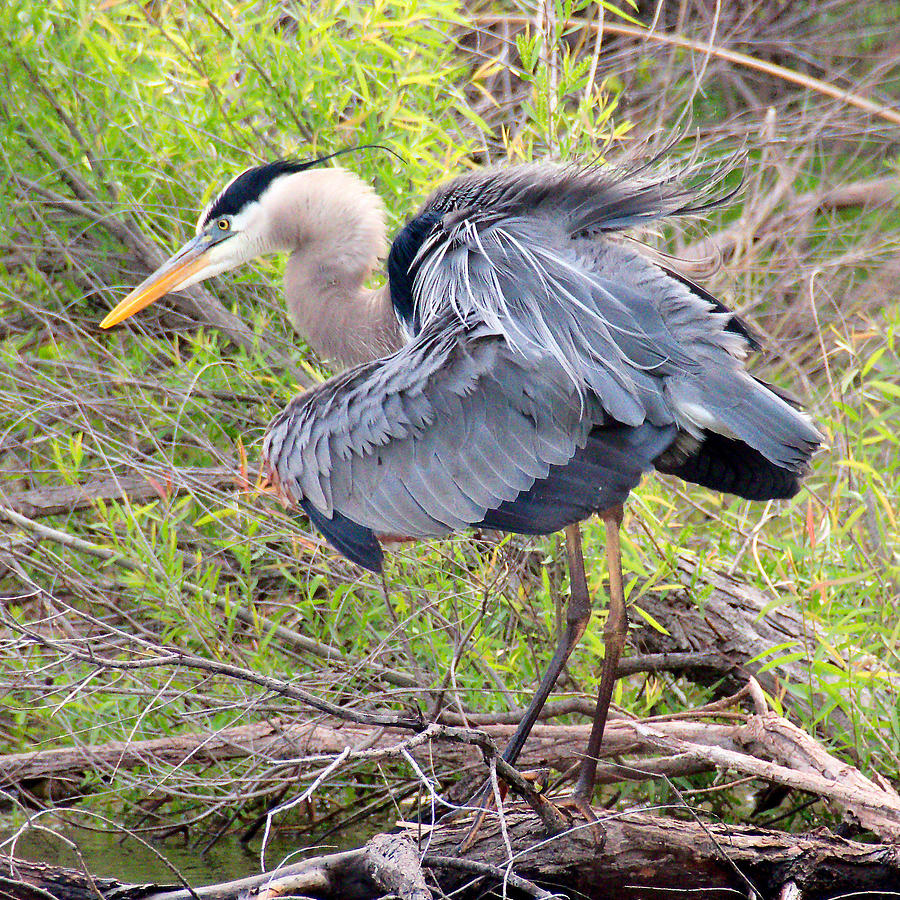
point(520, 370)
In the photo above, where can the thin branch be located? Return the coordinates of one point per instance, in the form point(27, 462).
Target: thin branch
point(723, 53)
point(289, 636)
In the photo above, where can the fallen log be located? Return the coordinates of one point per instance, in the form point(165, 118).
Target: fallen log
point(738, 627)
point(764, 746)
point(641, 856)
point(286, 740)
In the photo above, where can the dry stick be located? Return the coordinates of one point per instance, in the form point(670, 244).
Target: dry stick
point(52, 101)
point(71, 365)
point(675, 661)
point(187, 660)
point(663, 767)
point(650, 662)
point(198, 300)
point(876, 809)
point(400, 630)
point(314, 876)
point(450, 677)
point(809, 767)
point(483, 868)
point(732, 56)
point(393, 862)
point(296, 801)
point(697, 79)
point(548, 814)
point(754, 214)
point(859, 800)
point(51, 501)
point(288, 635)
point(647, 662)
point(277, 741)
point(498, 803)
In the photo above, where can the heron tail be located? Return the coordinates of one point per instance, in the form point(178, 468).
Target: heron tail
point(749, 439)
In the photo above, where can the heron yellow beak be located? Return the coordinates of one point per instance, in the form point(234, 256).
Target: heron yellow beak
point(192, 258)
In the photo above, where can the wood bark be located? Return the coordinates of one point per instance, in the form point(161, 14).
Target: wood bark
point(557, 746)
point(764, 746)
point(640, 856)
point(737, 626)
point(648, 856)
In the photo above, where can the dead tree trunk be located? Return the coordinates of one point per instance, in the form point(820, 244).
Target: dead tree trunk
point(640, 856)
point(734, 624)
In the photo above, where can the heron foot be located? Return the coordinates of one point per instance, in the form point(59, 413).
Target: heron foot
point(530, 786)
point(557, 815)
point(581, 803)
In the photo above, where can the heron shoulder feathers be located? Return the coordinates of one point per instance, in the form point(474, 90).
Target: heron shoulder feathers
point(509, 249)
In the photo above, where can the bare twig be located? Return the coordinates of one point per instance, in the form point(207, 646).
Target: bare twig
point(289, 636)
point(51, 501)
point(164, 657)
point(732, 56)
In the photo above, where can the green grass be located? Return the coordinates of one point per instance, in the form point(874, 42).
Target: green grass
point(140, 113)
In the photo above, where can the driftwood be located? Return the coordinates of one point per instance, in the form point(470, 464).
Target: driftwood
point(764, 746)
point(640, 856)
point(557, 746)
point(735, 624)
point(651, 854)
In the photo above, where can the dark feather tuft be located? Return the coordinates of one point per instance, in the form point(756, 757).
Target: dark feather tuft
point(734, 467)
point(249, 186)
point(354, 541)
point(735, 324)
point(402, 266)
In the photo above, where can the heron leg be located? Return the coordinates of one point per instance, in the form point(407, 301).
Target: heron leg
point(614, 641)
point(578, 614)
point(614, 634)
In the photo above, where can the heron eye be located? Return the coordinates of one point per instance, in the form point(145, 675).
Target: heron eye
point(223, 224)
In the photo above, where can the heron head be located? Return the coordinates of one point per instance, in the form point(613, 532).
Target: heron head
point(235, 228)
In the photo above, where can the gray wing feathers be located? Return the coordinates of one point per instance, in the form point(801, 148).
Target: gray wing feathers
point(582, 198)
point(428, 440)
point(523, 251)
point(615, 323)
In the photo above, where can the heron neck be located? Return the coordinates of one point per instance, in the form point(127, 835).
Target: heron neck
point(349, 327)
point(335, 231)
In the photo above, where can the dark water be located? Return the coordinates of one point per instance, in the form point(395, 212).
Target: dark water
point(126, 860)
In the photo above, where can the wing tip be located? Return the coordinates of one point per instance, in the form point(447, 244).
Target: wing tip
point(352, 540)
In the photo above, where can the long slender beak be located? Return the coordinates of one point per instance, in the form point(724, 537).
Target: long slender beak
point(189, 260)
